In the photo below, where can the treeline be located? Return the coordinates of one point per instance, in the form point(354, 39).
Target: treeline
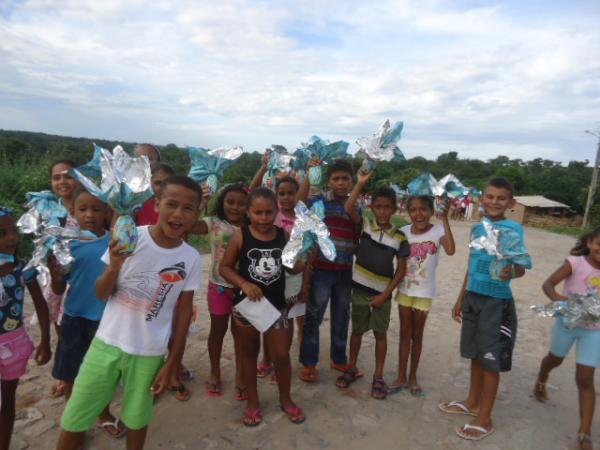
point(26, 157)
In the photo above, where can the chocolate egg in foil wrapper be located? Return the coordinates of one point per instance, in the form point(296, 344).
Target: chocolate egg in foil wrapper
point(309, 230)
point(280, 161)
point(125, 185)
point(44, 209)
point(319, 151)
point(209, 165)
point(578, 310)
point(381, 146)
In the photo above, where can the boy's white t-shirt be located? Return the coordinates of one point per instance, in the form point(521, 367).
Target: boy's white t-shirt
point(138, 316)
point(421, 265)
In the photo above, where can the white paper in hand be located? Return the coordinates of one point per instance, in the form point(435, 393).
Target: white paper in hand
point(261, 314)
point(299, 309)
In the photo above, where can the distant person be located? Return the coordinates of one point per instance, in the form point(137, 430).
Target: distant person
point(486, 308)
point(150, 151)
point(149, 300)
point(15, 345)
point(580, 273)
point(147, 214)
point(374, 279)
point(418, 288)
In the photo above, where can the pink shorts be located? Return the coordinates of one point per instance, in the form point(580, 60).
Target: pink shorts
point(220, 299)
point(15, 350)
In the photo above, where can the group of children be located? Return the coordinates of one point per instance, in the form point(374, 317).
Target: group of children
point(125, 318)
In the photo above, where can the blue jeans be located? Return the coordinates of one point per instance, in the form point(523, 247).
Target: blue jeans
point(326, 285)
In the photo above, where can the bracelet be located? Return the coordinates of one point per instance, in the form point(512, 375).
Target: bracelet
point(513, 271)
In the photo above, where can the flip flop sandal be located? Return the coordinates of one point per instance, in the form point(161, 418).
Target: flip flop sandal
point(273, 379)
point(252, 417)
point(120, 431)
point(294, 414)
point(584, 440)
point(396, 388)
point(463, 410)
point(378, 389)
point(416, 391)
point(308, 374)
point(262, 370)
point(213, 389)
point(58, 390)
point(343, 367)
point(181, 392)
point(461, 432)
point(347, 378)
point(241, 394)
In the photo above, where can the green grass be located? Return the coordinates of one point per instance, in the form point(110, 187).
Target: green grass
point(571, 231)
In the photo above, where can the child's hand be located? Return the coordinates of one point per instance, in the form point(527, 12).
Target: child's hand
point(56, 271)
point(457, 312)
point(161, 381)
point(43, 353)
point(304, 294)
point(511, 271)
point(363, 177)
point(252, 291)
point(377, 301)
point(206, 192)
point(266, 156)
point(116, 258)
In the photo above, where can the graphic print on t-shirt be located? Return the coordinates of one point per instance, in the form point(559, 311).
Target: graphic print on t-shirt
point(147, 291)
point(593, 282)
point(265, 265)
point(416, 262)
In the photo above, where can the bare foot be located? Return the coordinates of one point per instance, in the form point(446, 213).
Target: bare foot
point(584, 442)
point(539, 391)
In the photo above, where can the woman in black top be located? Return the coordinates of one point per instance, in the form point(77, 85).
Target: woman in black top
point(257, 249)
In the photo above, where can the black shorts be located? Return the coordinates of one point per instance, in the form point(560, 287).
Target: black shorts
point(76, 334)
point(489, 331)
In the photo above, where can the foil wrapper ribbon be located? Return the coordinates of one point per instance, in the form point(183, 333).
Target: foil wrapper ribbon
point(209, 165)
point(424, 184)
point(309, 230)
point(279, 161)
point(124, 186)
point(92, 167)
point(318, 152)
point(447, 188)
point(504, 244)
point(381, 146)
point(577, 310)
point(44, 209)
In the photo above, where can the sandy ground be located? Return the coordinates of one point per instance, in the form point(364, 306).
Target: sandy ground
point(351, 419)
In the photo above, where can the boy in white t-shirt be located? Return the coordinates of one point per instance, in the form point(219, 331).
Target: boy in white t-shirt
point(416, 292)
point(132, 339)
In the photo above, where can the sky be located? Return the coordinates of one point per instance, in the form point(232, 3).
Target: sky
point(482, 78)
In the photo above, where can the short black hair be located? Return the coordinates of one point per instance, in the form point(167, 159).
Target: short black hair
point(146, 145)
point(80, 189)
point(340, 165)
point(428, 200)
point(67, 162)
point(385, 192)
point(502, 183)
point(262, 192)
point(181, 180)
point(286, 179)
point(162, 167)
point(219, 208)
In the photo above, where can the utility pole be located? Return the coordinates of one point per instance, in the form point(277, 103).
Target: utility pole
point(593, 184)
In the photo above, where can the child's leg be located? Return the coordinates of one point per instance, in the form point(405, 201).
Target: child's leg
point(300, 326)
point(136, 438)
point(548, 363)
point(380, 352)
point(406, 332)
point(218, 329)
point(584, 376)
point(355, 343)
point(239, 381)
point(249, 339)
point(266, 358)
point(418, 326)
point(68, 440)
point(278, 339)
point(341, 297)
point(8, 389)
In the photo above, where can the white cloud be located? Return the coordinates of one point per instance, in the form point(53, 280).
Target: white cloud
point(485, 81)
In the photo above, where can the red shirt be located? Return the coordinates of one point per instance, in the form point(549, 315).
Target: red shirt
point(146, 215)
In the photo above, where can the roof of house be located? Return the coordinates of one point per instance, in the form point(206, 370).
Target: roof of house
point(538, 201)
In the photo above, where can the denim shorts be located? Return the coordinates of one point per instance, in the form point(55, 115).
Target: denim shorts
point(76, 334)
point(587, 343)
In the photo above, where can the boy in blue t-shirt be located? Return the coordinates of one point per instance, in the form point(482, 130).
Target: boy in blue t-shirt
point(82, 310)
point(486, 308)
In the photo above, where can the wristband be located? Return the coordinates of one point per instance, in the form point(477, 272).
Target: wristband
point(513, 272)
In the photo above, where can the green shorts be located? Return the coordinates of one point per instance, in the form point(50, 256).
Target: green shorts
point(102, 368)
point(364, 317)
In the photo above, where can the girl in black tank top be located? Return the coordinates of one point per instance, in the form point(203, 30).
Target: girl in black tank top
point(257, 249)
point(260, 263)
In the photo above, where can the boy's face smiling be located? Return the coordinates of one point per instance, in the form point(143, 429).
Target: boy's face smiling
point(177, 208)
point(340, 183)
point(496, 201)
point(89, 213)
point(383, 210)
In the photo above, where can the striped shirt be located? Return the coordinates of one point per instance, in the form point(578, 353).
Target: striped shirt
point(342, 231)
point(377, 249)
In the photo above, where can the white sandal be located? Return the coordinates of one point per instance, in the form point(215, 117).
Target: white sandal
point(104, 426)
point(444, 407)
point(460, 431)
